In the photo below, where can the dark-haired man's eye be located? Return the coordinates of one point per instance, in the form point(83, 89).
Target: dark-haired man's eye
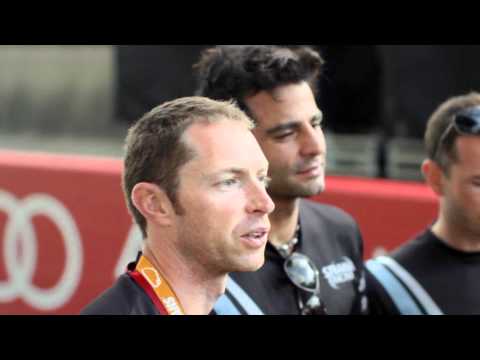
point(283, 135)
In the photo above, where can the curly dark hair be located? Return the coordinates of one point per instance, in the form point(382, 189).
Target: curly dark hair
point(237, 71)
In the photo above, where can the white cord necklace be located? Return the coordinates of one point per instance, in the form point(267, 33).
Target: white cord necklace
point(286, 249)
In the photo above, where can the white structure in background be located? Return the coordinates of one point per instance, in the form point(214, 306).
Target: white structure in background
point(57, 89)
point(354, 155)
point(405, 157)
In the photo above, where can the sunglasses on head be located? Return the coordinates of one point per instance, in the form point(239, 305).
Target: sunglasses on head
point(303, 273)
point(466, 122)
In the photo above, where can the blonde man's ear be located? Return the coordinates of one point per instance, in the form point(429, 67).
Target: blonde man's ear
point(153, 203)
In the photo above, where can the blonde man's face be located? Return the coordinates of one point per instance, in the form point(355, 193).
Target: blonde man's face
point(222, 190)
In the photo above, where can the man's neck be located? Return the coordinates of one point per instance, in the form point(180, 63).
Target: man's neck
point(456, 236)
point(196, 291)
point(283, 220)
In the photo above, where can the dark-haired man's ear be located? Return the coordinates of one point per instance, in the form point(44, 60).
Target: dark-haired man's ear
point(153, 203)
point(433, 175)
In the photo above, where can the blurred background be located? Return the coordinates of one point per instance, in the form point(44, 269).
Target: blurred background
point(376, 98)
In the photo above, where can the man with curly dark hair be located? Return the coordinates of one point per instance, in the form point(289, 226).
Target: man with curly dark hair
point(314, 255)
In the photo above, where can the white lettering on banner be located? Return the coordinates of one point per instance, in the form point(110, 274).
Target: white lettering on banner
point(20, 270)
point(132, 246)
point(339, 272)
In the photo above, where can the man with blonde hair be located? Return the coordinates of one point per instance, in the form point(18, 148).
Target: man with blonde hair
point(199, 197)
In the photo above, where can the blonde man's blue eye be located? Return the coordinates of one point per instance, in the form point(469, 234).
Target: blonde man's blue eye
point(229, 182)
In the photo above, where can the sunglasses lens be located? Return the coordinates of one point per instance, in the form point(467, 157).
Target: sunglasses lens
point(302, 272)
point(465, 124)
point(314, 306)
point(468, 122)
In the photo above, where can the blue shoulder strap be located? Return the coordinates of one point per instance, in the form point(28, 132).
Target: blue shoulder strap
point(224, 306)
point(397, 292)
point(415, 288)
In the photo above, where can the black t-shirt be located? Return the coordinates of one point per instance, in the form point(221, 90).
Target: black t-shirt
point(449, 276)
point(124, 297)
point(332, 240)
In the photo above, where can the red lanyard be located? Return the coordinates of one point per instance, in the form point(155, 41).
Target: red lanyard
point(156, 288)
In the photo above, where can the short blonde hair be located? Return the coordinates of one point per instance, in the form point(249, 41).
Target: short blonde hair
point(154, 150)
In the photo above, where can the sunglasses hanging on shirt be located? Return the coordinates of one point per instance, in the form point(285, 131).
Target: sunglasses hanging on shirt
point(303, 273)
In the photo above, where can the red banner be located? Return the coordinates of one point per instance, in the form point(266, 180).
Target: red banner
point(388, 212)
point(65, 233)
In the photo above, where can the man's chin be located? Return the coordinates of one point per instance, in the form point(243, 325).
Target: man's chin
point(295, 190)
point(311, 191)
point(311, 188)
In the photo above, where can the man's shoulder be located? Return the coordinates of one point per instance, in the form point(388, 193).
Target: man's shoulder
point(326, 213)
point(401, 275)
point(339, 231)
point(124, 297)
point(414, 248)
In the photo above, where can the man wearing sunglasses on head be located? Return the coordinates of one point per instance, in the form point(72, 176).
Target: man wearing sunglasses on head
point(313, 261)
point(437, 272)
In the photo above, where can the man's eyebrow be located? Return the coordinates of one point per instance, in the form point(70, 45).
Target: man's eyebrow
point(233, 170)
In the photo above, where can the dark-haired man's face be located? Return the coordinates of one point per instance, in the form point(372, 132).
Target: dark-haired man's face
point(289, 132)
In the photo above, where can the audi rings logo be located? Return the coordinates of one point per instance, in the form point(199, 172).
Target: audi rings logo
point(20, 270)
